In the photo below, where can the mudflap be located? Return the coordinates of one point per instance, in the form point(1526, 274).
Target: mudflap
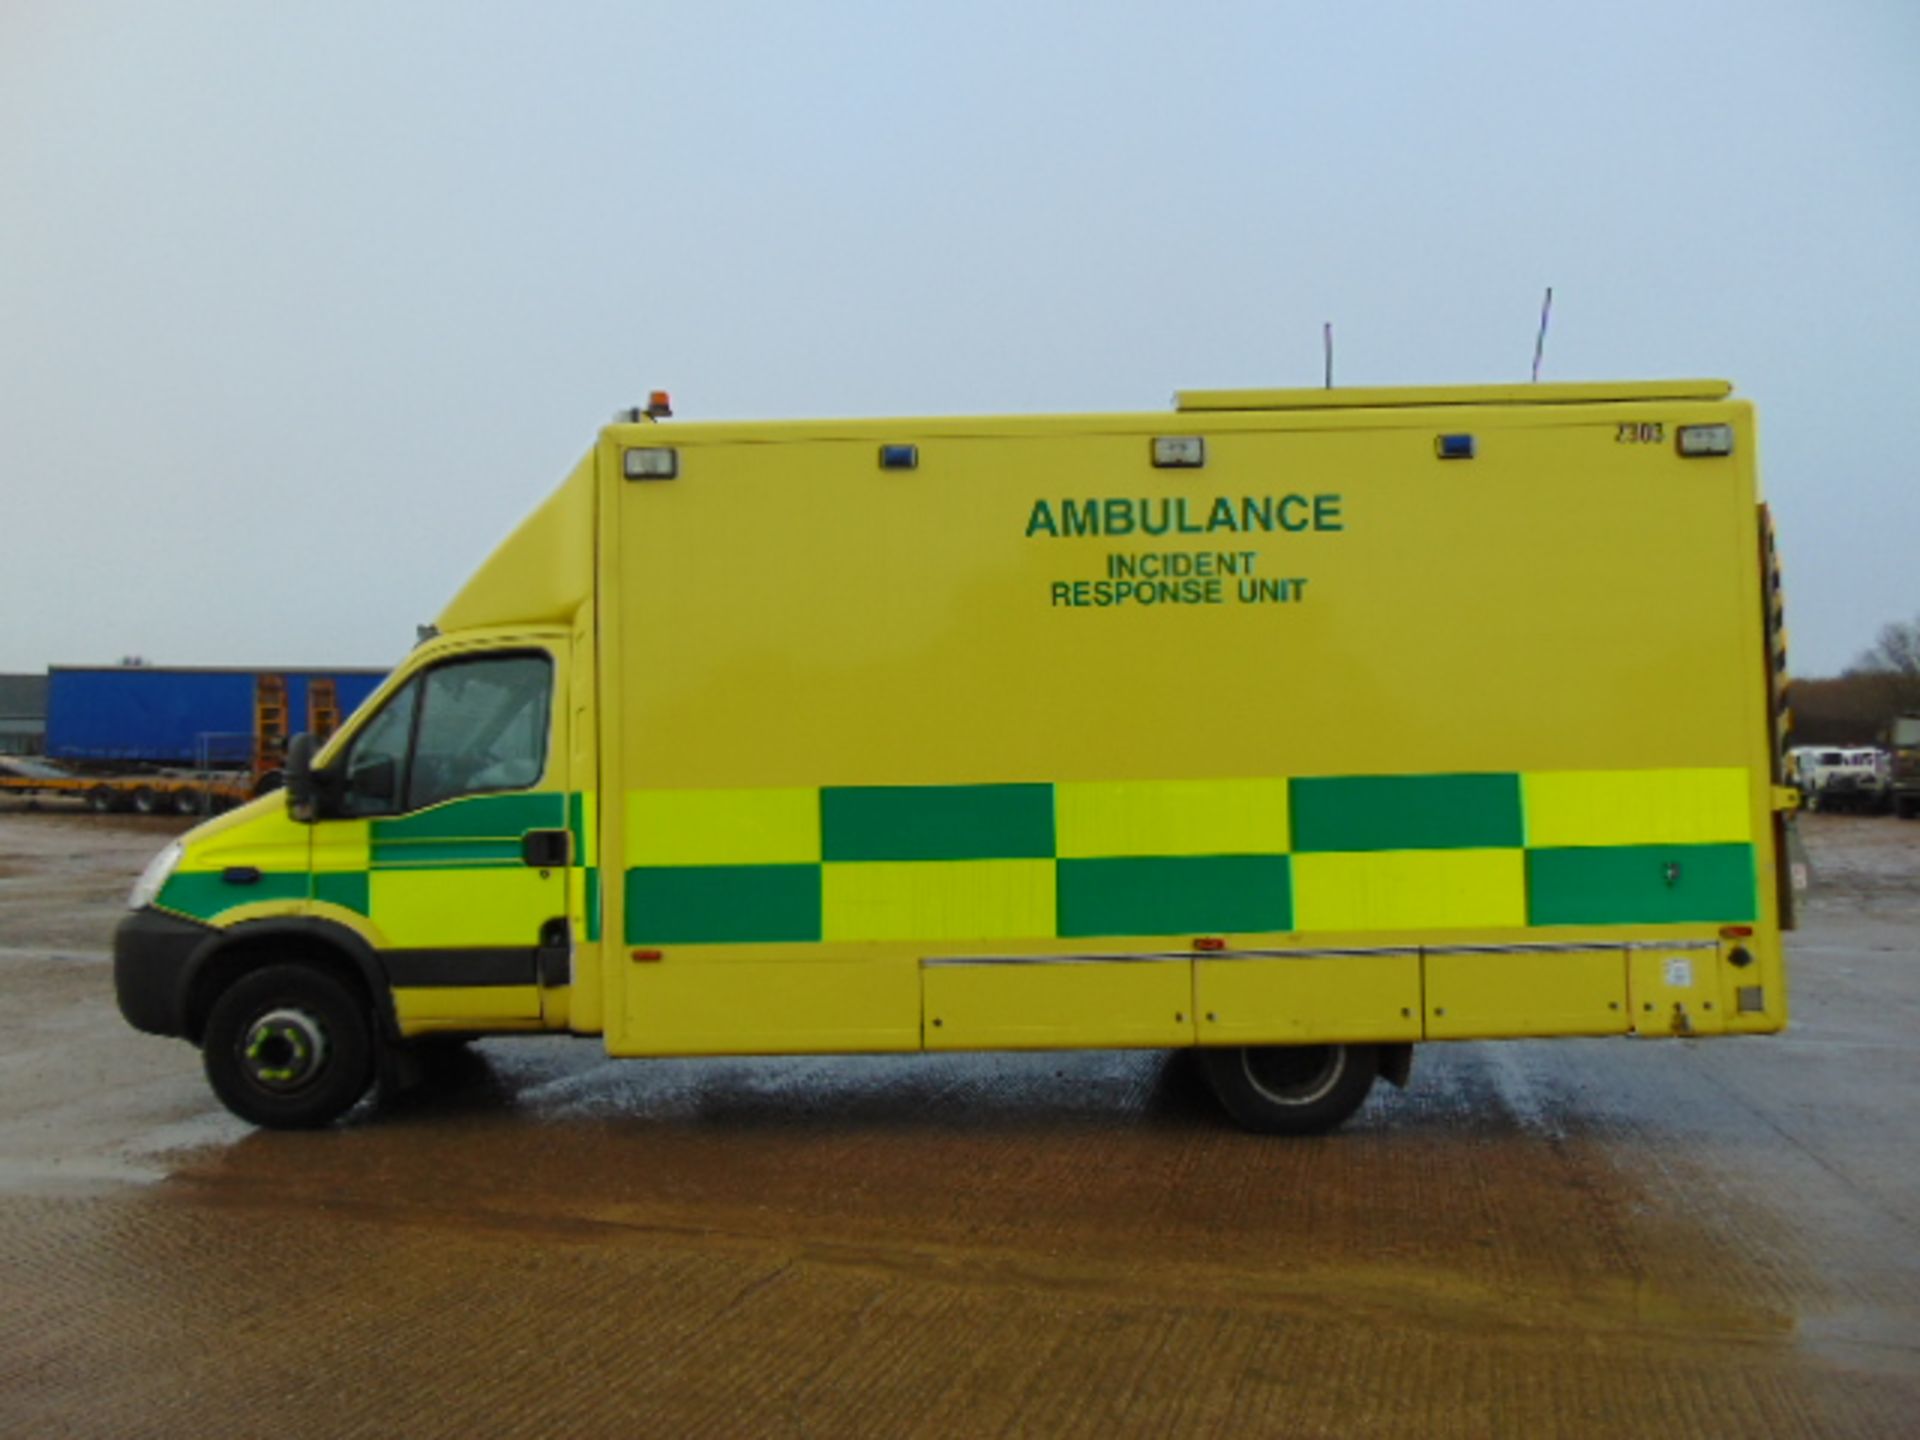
point(1396, 1064)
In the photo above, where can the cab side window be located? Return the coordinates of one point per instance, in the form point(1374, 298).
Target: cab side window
point(465, 728)
point(482, 726)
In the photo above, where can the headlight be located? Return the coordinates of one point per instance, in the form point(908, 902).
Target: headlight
point(147, 888)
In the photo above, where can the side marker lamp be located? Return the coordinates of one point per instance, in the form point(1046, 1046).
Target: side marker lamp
point(1453, 447)
point(652, 462)
point(1697, 440)
point(899, 457)
point(1179, 452)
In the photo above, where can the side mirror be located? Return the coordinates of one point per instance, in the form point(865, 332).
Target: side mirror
point(298, 772)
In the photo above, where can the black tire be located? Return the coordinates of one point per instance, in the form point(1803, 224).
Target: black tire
point(268, 783)
point(186, 802)
point(1906, 806)
point(100, 799)
point(435, 1047)
point(1291, 1089)
point(146, 801)
point(288, 1047)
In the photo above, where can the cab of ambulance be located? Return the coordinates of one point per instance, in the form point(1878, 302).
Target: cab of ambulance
point(441, 836)
point(415, 878)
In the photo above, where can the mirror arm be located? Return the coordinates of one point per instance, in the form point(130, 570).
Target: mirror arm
point(326, 794)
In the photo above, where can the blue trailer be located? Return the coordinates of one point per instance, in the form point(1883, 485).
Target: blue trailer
point(139, 715)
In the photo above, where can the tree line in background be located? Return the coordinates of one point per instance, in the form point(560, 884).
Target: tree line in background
point(1856, 707)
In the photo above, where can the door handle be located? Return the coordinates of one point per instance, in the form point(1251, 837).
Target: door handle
point(546, 849)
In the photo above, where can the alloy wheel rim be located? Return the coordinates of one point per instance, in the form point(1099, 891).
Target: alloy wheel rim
point(283, 1049)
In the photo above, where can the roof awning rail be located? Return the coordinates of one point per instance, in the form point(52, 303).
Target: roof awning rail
point(1395, 397)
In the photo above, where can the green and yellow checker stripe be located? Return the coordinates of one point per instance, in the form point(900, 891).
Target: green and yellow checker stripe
point(583, 824)
point(447, 877)
point(1319, 853)
point(453, 876)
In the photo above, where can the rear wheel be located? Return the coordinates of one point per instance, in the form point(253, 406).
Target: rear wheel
point(186, 802)
point(100, 799)
point(289, 1047)
point(1291, 1089)
point(1906, 806)
point(146, 801)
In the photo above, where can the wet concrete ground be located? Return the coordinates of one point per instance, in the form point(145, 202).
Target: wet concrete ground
point(1715, 1238)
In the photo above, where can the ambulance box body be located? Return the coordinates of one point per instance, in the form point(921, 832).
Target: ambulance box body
point(1295, 726)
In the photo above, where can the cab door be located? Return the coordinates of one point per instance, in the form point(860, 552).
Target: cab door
point(445, 829)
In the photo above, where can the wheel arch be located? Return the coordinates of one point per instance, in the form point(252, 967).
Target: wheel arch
point(254, 944)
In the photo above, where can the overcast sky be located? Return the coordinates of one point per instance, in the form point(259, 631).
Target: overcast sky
point(302, 307)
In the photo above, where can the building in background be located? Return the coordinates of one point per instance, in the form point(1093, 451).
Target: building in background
point(23, 714)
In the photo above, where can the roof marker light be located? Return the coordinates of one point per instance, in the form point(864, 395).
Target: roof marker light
point(653, 462)
point(1697, 440)
point(1453, 447)
point(899, 457)
point(658, 405)
point(1179, 452)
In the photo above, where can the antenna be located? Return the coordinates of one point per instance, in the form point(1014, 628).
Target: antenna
point(1326, 339)
point(1540, 340)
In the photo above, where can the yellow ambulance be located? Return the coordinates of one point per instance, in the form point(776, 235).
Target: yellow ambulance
point(1298, 727)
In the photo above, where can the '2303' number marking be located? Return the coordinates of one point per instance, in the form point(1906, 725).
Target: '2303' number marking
point(1640, 432)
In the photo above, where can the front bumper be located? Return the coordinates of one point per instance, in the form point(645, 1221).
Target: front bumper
point(153, 968)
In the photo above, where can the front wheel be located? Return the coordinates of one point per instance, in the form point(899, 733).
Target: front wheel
point(1291, 1089)
point(288, 1047)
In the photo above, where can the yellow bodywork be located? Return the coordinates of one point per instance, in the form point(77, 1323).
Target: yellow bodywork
point(869, 756)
